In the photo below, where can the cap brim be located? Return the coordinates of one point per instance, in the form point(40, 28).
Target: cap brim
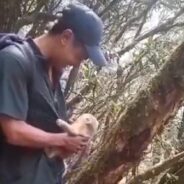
point(96, 55)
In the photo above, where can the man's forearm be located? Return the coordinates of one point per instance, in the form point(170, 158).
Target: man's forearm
point(23, 134)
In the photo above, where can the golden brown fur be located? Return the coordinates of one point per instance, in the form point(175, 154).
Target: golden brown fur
point(85, 125)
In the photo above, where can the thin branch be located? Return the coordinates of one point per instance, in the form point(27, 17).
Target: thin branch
point(30, 6)
point(161, 28)
point(40, 5)
point(109, 7)
point(133, 19)
point(26, 20)
point(141, 26)
point(71, 80)
point(53, 5)
point(77, 99)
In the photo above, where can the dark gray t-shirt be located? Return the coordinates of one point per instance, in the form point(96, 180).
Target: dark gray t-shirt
point(13, 82)
point(31, 100)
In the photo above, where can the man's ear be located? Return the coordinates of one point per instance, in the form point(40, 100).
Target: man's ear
point(66, 36)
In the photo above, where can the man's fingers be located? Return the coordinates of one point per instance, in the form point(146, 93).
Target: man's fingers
point(80, 148)
point(83, 144)
point(84, 139)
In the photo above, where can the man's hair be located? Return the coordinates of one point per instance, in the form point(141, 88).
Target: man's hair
point(63, 21)
point(59, 26)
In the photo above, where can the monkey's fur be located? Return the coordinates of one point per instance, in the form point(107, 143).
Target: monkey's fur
point(85, 125)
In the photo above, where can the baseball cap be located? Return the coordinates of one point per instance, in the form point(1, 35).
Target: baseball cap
point(88, 29)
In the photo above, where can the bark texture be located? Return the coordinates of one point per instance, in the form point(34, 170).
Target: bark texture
point(147, 113)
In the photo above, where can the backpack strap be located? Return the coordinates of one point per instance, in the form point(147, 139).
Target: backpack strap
point(7, 39)
point(29, 55)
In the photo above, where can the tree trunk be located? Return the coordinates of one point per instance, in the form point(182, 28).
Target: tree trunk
point(137, 125)
point(10, 11)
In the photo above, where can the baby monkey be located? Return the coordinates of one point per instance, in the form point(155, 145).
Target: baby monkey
point(85, 125)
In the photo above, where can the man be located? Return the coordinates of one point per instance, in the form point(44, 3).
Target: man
point(31, 99)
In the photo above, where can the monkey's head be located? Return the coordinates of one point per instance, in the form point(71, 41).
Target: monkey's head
point(87, 124)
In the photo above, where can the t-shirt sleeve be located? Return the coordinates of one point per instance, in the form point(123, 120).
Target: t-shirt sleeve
point(13, 86)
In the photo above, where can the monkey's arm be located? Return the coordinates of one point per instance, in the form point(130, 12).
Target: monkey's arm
point(66, 127)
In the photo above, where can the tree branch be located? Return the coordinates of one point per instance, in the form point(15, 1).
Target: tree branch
point(77, 99)
point(161, 28)
point(157, 169)
point(133, 19)
point(141, 26)
point(109, 7)
point(71, 80)
point(26, 20)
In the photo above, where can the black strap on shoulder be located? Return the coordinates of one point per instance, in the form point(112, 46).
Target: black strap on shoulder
point(7, 39)
point(30, 57)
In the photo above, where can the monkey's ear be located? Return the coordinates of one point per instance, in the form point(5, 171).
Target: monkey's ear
point(88, 120)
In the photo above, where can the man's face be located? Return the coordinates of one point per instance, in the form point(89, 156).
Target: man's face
point(72, 52)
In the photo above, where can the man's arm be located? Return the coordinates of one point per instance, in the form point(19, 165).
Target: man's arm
point(14, 107)
point(22, 134)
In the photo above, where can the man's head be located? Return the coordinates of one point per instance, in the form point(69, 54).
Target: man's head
point(79, 31)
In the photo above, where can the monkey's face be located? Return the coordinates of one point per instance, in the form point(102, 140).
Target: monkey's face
point(86, 125)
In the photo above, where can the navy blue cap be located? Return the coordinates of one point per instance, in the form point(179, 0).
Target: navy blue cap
point(88, 28)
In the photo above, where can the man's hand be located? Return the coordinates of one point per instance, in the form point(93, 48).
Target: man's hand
point(22, 134)
point(73, 144)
